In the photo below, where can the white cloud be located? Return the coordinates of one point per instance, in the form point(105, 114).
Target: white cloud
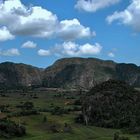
point(130, 16)
point(111, 54)
point(94, 5)
point(73, 49)
point(10, 52)
point(43, 52)
point(88, 49)
point(72, 29)
point(5, 34)
point(36, 21)
point(29, 44)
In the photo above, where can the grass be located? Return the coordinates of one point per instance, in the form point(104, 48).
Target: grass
point(37, 130)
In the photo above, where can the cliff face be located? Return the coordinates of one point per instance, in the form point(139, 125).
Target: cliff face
point(129, 73)
point(69, 73)
point(80, 72)
point(12, 74)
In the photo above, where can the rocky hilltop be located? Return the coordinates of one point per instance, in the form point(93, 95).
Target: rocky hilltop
point(12, 74)
point(88, 72)
point(69, 73)
point(78, 72)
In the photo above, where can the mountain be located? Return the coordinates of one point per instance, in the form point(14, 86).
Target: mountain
point(129, 73)
point(88, 72)
point(69, 73)
point(112, 104)
point(78, 72)
point(12, 74)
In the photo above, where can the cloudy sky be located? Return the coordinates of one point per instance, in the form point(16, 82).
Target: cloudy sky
point(38, 32)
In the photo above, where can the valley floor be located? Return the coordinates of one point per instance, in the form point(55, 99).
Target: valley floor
point(38, 130)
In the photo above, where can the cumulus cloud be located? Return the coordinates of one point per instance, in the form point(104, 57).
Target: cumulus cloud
point(72, 29)
point(94, 5)
point(10, 52)
point(5, 34)
point(111, 54)
point(130, 16)
point(29, 44)
point(36, 21)
point(43, 52)
point(73, 49)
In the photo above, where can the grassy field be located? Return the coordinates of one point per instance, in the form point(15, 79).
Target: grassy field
point(38, 130)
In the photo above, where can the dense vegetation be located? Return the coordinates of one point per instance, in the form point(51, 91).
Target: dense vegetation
point(113, 104)
point(10, 129)
point(54, 118)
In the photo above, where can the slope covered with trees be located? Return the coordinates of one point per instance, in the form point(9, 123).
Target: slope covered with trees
point(112, 104)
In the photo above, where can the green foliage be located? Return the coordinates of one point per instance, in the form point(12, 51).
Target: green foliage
point(78, 102)
point(118, 137)
point(79, 118)
point(11, 129)
point(58, 110)
point(54, 129)
point(28, 105)
point(67, 128)
point(44, 119)
point(4, 108)
point(27, 108)
point(27, 112)
point(124, 138)
point(112, 104)
point(38, 130)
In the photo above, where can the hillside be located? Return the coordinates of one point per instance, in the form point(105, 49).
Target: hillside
point(112, 104)
point(12, 74)
point(86, 73)
point(69, 73)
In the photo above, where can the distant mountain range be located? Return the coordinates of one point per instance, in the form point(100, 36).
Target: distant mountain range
point(69, 73)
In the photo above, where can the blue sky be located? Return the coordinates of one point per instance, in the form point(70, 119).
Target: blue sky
point(38, 32)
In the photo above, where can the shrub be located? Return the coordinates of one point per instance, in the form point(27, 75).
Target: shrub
point(28, 105)
point(77, 108)
point(44, 119)
point(67, 128)
point(11, 129)
point(27, 108)
point(4, 108)
point(132, 130)
point(118, 137)
point(124, 138)
point(28, 112)
point(77, 102)
point(58, 110)
point(54, 128)
point(79, 119)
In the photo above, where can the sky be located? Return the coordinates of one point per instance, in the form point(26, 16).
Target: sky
point(38, 32)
